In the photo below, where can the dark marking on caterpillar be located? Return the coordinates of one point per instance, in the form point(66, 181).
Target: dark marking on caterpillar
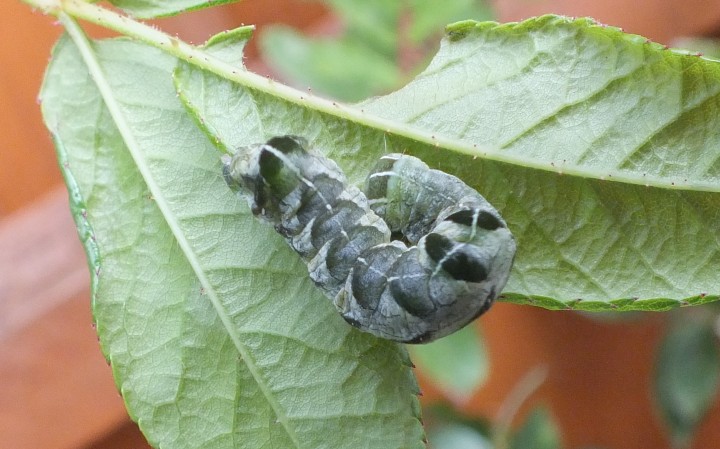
point(415, 257)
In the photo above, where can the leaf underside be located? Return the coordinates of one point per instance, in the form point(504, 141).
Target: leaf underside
point(215, 340)
point(550, 109)
point(216, 335)
point(588, 104)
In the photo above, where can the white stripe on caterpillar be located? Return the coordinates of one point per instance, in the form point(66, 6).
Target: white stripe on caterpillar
point(460, 252)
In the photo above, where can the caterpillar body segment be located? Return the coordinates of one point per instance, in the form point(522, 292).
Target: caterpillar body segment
point(416, 257)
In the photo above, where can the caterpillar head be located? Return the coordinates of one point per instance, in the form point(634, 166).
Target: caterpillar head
point(269, 172)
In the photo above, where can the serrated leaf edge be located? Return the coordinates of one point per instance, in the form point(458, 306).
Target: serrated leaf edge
point(356, 114)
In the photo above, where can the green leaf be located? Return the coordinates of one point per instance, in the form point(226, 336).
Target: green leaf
point(364, 59)
point(599, 148)
point(449, 429)
point(148, 9)
point(538, 432)
point(216, 336)
point(341, 68)
point(429, 17)
point(457, 364)
point(203, 311)
point(456, 436)
point(590, 237)
point(373, 23)
point(686, 377)
point(360, 62)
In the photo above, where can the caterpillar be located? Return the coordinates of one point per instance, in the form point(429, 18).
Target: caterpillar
point(416, 256)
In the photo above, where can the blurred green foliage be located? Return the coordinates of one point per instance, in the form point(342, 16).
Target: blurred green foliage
point(686, 374)
point(457, 364)
point(539, 431)
point(381, 46)
point(447, 429)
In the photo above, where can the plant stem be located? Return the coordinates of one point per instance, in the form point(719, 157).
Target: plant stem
point(198, 57)
point(52, 7)
point(510, 407)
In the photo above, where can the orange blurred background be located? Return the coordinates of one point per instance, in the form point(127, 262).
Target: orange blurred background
point(56, 391)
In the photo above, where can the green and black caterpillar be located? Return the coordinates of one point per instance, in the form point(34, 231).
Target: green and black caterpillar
point(416, 257)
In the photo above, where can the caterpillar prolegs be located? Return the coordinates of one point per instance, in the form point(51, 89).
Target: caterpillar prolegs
point(416, 257)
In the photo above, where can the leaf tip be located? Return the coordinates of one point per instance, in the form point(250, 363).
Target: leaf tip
point(238, 35)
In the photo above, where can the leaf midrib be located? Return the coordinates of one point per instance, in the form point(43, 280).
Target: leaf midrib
point(106, 92)
point(353, 113)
